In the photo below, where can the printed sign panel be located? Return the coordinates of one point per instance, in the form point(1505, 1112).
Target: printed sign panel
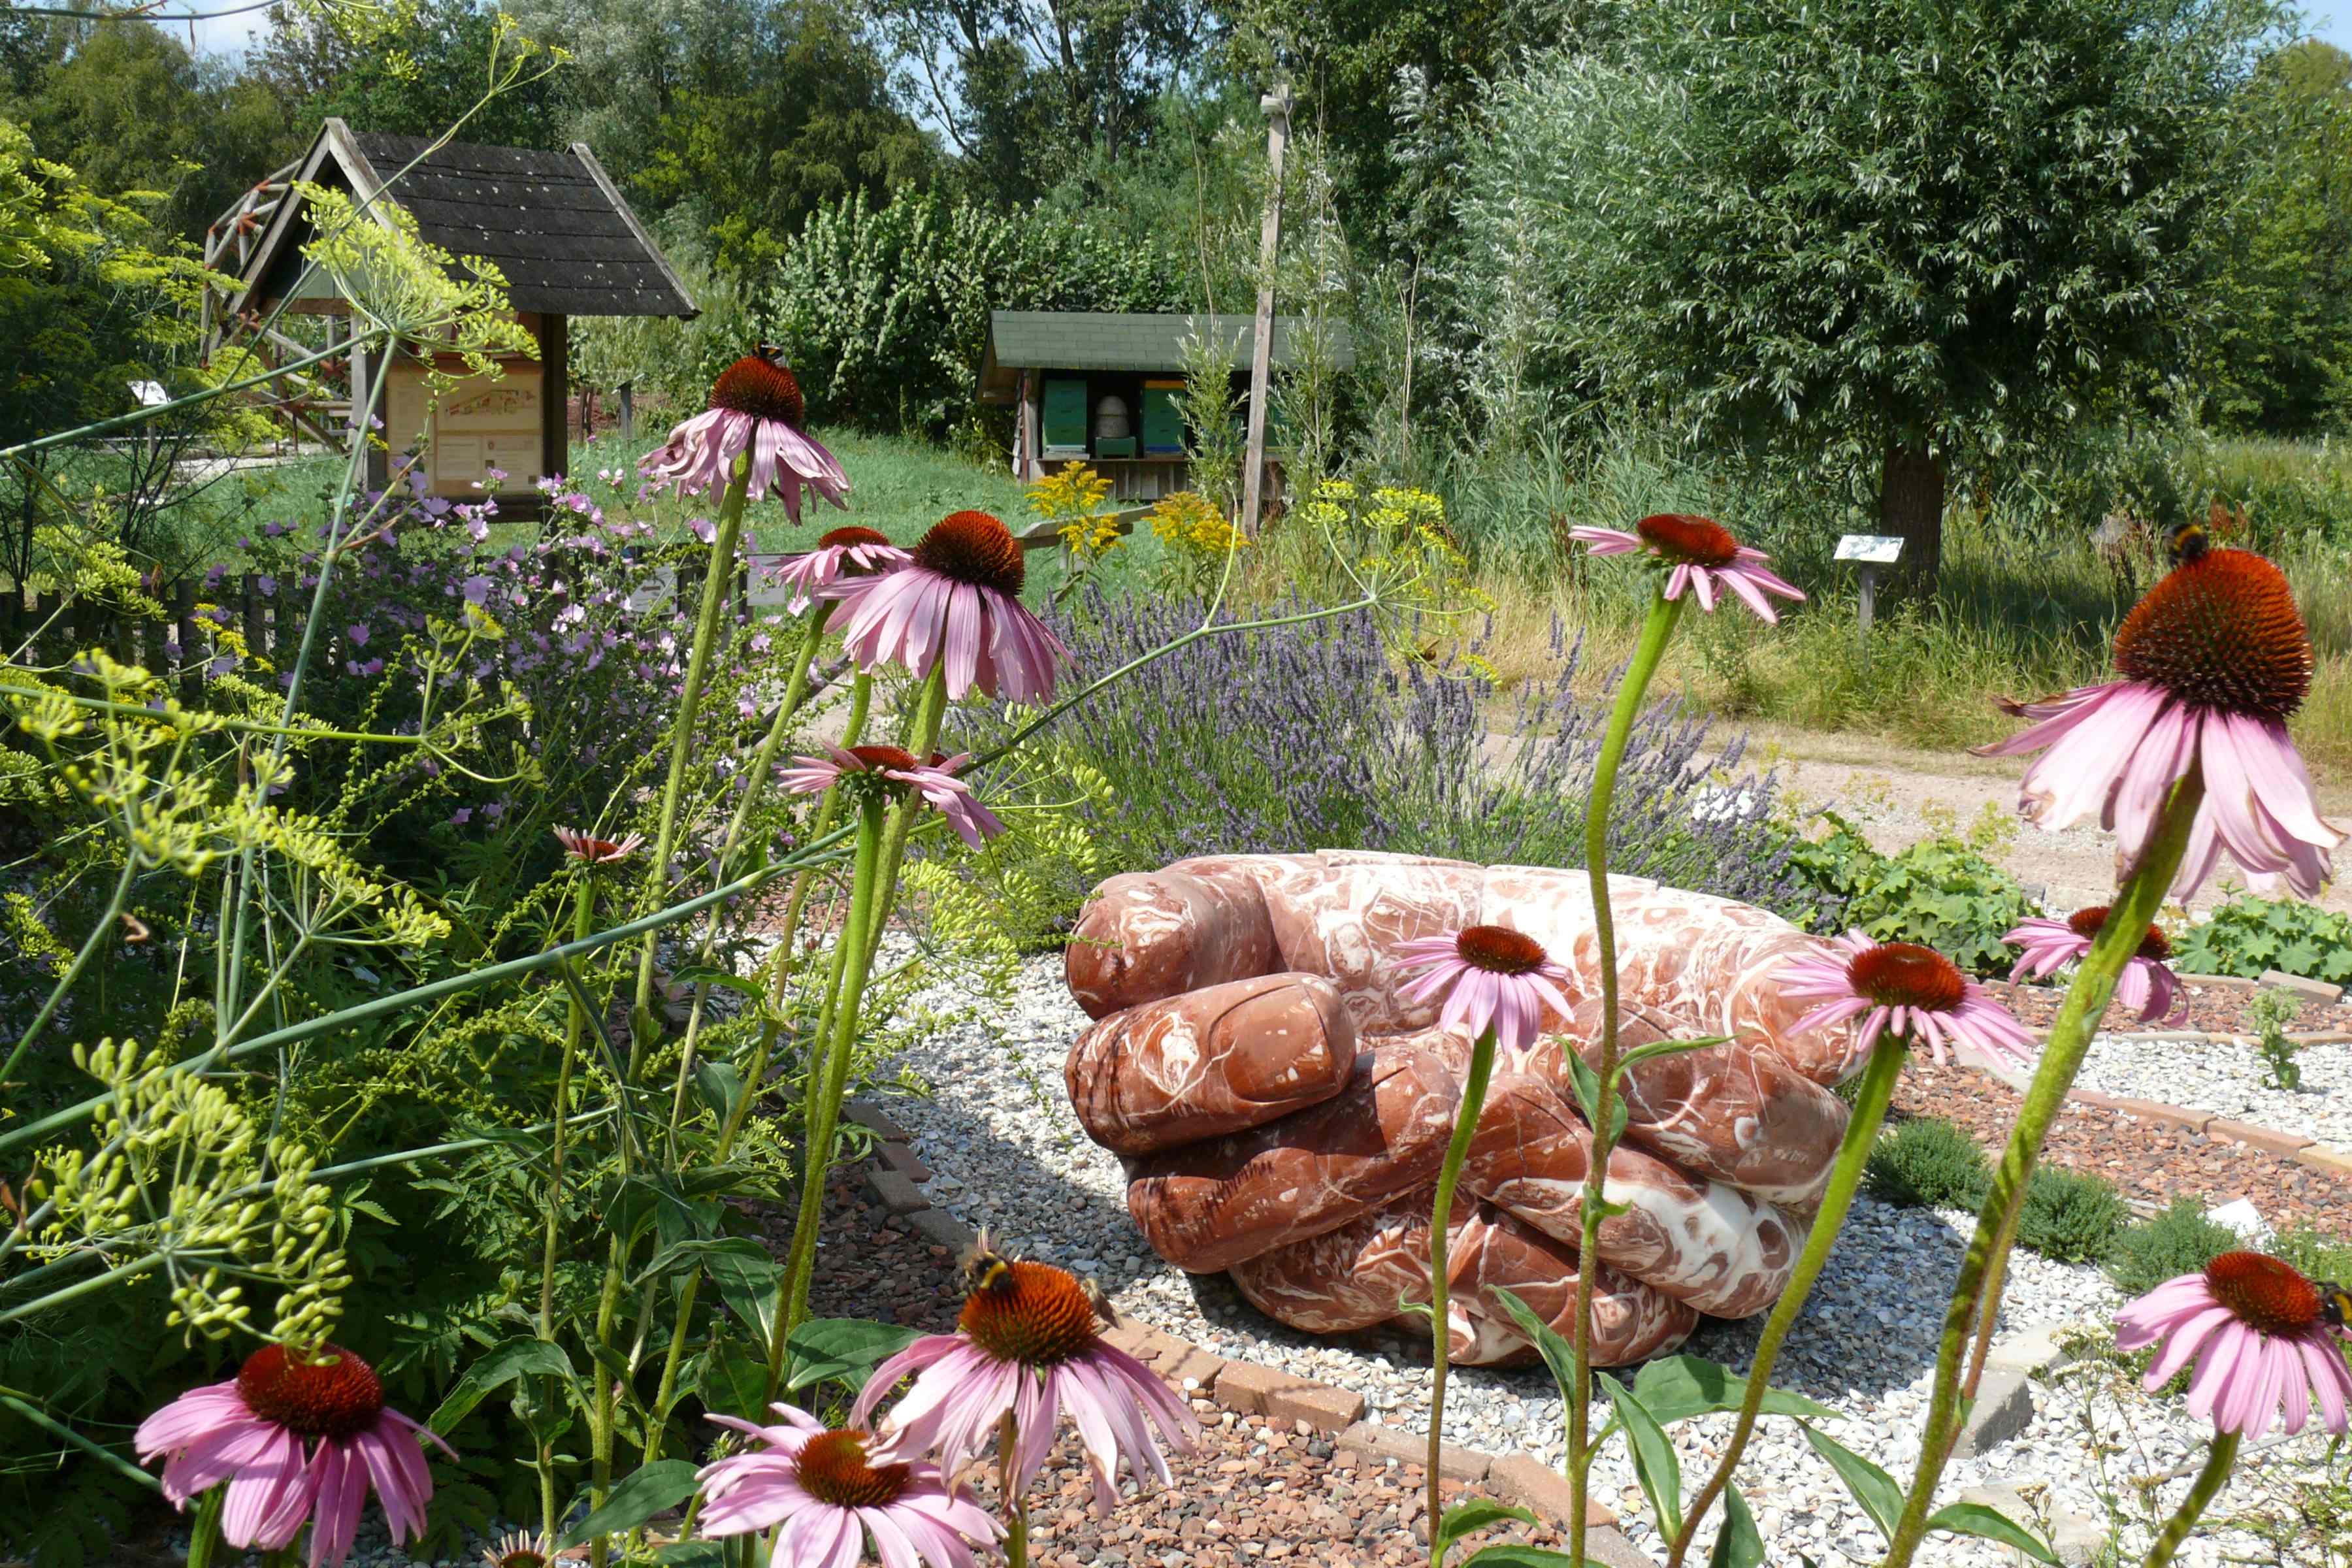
point(483, 423)
point(1871, 549)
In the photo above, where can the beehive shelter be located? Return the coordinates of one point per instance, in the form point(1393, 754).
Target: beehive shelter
point(551, 222)
point(1102, 387)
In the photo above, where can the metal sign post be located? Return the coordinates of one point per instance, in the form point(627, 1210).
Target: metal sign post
point(1868, 552)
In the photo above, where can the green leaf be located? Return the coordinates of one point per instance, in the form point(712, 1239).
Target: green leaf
point(1588, 1094)
point(1738, 1544)
point(752, 1284)
point(692, 1554)
point(700, 974)
point(847, 1348)
point(500, 1366)
point(1656, 1048)
point(1478, 1513)
point(719, 1085)
point(733, 1382)
point(1990, 1524)
point(703, 1252)
point(662, 1484)
point(1655, 1464)
point(1558, 1351)
point(1511, 1554)
point(1872, 1487)
point(1676, 1388)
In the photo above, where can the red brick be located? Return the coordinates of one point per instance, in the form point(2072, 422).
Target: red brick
point(1197, 1365)
point(1131, 1335)
point(1246, 1387)
point(2320, 1157)
point(897, 1194)
point(2237, 984)
point(2170, 1115)
point(868, 1115)
point(1376, 1441)
point(1529, 1482)
point(1327, 1410)
point(2267, 1137)
point(901, 1159)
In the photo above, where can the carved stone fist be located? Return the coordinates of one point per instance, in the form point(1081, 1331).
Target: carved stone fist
point(1282, 1113)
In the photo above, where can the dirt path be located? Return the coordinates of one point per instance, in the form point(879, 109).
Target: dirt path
point(1898, 797)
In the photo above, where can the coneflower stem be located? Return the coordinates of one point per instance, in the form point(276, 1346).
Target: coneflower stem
point(755, 782)
point(1465, 1127)
point(575, 1024)
point(2218, 1459)
point(1657, 629)
point(822, 1115)
point(1015, 1505)
point(717, 578)
point(2135, 906)
point(204, 1530)
point(1877, 1088)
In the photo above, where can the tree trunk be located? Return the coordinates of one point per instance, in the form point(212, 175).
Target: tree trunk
point(1911, 508)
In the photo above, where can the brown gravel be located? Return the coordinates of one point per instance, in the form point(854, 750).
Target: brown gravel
point(2211, 1009)
point(2150, 1163)
point(1254, 1492)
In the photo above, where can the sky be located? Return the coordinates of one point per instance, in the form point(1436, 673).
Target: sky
point(2329, 19)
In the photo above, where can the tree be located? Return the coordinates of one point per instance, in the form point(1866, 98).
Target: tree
point(1907, 231)
point(418, 82)
point(2282, 360)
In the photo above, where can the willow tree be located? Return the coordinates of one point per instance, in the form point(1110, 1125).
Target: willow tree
point(1900, 231)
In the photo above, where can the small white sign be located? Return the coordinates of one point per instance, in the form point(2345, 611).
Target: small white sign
point(150, 393)
point(1872, 549)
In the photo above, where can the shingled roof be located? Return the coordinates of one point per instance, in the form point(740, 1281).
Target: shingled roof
point(1118, 341)
point(552, 221)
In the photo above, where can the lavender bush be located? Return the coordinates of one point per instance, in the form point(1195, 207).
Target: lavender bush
point(1315, 736)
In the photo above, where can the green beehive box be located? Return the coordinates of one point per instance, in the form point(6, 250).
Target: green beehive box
point(1064, 433)
point(1163, 419)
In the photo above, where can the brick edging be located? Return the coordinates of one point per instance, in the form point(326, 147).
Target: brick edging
point(1245, 1388)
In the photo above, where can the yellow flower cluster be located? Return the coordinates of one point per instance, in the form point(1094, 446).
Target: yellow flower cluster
point(1073, 498)
point(1190, 524)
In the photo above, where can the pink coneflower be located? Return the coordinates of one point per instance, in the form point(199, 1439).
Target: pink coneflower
point(935, 780)
point(958, 599)
point(2146, 982)
point(2213, 660)
point(1701, 555)
point(830, 1491)
point(2261, 1336)
point(843, 563)
point(520, 1549)
point(595, 851)
point(1493, 977)
point(1914, 990)
point(755, 403)
point(1027, 1343)
point(250, 1432)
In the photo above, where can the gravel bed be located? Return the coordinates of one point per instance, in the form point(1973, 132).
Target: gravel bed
point(1008, 1153)
point(2229, 1078)
point(2210, 1009)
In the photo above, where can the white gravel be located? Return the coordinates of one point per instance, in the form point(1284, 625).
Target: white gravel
point(1008, 1153)
point(2229, 1077)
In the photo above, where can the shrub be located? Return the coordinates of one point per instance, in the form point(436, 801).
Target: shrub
point(1941, 892)
point(2248, 935)
point(2179, 1241)
point(2070, 1216)
point(2317, 1254)
point(1928, 1163)
point(1371, 752)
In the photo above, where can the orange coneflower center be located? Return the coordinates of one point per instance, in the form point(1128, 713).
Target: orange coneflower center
point(334, 1396)
point(1905, 975)
point(2262, 1293)
point(762, 388)
point(973, 547)
point(846, 538)
point(833, 1468)
point(1699, 540)
point(1029, 1312)
point(2088, 923)
point(883, 756)
point(2221, 631)
point(1499, 950)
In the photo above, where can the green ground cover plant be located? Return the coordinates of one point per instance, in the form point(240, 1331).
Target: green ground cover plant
point(1928, 1163)
point(2179, 1241)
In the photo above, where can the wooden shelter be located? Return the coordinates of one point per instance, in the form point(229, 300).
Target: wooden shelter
point(553, 224)
point(1074, 375)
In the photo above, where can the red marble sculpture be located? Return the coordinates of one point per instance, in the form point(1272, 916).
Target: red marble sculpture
point(1282, 1113)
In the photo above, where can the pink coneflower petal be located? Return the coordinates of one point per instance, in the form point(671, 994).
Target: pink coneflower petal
point(1911, 990)
point(1490, 977)
point(2257, 1332)
point(958, 601)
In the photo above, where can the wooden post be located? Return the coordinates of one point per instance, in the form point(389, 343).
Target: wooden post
point(1025, 467)
point(256, 632)
point(628, 398)
point(554, 382)
point(1277, 105)
point(184, 624)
